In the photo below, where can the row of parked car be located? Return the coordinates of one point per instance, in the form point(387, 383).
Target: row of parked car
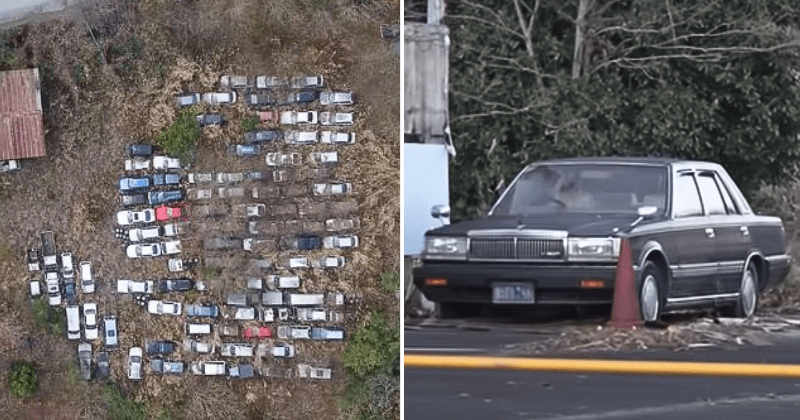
point(293, 137)
point(58, 272)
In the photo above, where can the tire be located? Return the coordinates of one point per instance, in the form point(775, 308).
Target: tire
point(451, 310)
point(651, 298)
point(747, 302)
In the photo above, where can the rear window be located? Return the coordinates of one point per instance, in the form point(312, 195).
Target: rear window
point(566, 188)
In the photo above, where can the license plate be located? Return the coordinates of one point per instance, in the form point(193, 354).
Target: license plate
point(513, 293)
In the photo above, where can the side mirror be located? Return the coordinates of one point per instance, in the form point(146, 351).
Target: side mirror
point(647, 211)
point(441, 212)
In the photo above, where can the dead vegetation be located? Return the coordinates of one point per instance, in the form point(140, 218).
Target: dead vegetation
point(110, 73)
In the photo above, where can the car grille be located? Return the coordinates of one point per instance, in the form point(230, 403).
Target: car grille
point(516, 249)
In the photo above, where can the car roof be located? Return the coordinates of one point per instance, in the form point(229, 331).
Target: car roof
point(626, 160)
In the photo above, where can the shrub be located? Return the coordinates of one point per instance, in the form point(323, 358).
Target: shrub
point(121, 408)
point(22, 379)
point(249, 123)
point(373, 347)
point(390, 281)
point(48, 318)
point(181, 136)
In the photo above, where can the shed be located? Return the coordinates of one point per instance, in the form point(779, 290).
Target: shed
point(21, 127)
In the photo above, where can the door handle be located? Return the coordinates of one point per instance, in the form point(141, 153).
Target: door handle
point(710, 232)
point(744, 230)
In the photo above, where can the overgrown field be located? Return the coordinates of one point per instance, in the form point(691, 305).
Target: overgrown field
point(110, 71)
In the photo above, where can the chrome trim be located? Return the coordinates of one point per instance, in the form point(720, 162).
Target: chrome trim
point(692, 270)
point(704, 297)
point(531, 233)
point(776, 258)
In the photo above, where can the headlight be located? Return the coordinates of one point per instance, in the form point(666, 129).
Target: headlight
point(593, 249)
point(446, 248)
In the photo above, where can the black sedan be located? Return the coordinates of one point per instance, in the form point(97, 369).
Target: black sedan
point(176, 285)
point(554, 237)
point(163, 197)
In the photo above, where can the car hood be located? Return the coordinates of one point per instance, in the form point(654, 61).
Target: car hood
point(573, 224)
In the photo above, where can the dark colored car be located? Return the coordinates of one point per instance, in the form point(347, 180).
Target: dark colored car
point(263, 136)
point(166, 179)
point(301, 97)
point(69, 292)
point(161, 197)
point(103, 366)
point(259, 99)
point(134, 183)
point(244, 150)
point(210, 119)
point(256, 176)
point(175, 285)
point(130, 200)
point(554, 237)
point(301, 242)
point(160, 347)
point(140, 150)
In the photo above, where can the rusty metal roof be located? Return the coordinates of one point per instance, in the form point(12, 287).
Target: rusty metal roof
point(21, 131)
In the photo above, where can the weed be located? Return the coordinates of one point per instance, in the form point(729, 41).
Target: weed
point(181, 135)
point(121, 408)
point(95, 209)
point(49, 319)
point(79, 73)
point(22, 379)
point(249, 123)
point(390, 281)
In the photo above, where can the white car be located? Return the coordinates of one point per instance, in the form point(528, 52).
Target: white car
point(164, 162)
point(90, 329)
point(342, 241)
point(236, 350)
point(279, 176)
point(87, 280)
point(53, 288)
point(143, 250)
point(308, 371)
point(307, 82)
point(300, 137)
point(137, 164)
point(199, 194)
point(230, 192)
point(159, 307)
point(249, 210)
point(226, 177)
point(130, 286)
point(135, 364)
point(245, 314)
point(336, 118)
point(329, 262)
point(318, 315)
point(131, 217)
point(333, 189)
point(235, 82)
point(219, 98)
point(297, 262)
point(337, 137)
point(280, 159)
point(283, 350)
point(336, 98)
point(200, 178)
point(144, 234)
point(339, 225)
point(298, 117)
point(197, 346)
point(170, 247)
point(269, 82)
point(325, 158)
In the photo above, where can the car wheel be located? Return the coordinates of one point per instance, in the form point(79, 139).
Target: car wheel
point(450, 310)
point(650, 297)
point(747, 302)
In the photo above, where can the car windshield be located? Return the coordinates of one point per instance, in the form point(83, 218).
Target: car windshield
point(593, 189)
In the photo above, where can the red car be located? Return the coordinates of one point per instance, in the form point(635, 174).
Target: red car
point(268, 116)
point(173, 212)
point(257, 332)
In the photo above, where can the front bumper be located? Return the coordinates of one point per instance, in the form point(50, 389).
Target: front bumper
point(554, 284)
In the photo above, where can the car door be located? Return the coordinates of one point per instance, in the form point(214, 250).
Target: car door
point(734, 241)
point(692, 243)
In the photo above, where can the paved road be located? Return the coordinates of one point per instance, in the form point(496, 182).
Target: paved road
point(481, 394)
point(17, 10)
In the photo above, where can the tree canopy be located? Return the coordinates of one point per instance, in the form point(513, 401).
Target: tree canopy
point(538, 79)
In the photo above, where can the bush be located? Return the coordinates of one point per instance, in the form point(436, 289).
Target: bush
point(121, 408)
point(390, 281)
point(181, 136)
point(249, 123)
point(22, 379)
point(373, 347)
point(48, 318)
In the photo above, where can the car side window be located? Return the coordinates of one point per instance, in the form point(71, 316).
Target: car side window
point(685, 197)
point(712, 198)
point(730, 205)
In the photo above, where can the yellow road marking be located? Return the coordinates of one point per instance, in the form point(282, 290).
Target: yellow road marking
point(630, 367)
